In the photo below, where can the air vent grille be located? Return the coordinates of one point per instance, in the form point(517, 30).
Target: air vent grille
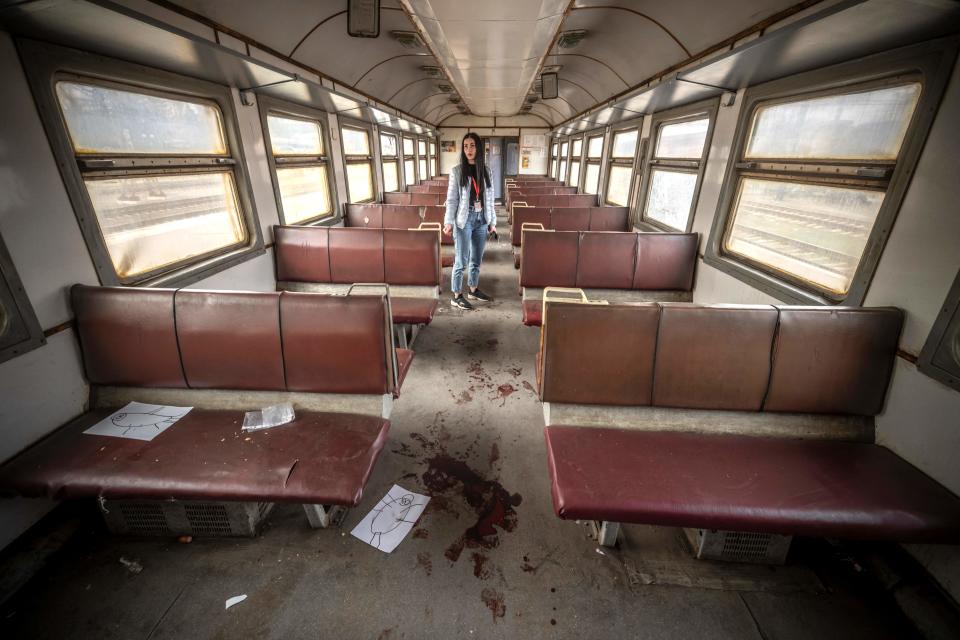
point(570, 39)
point(408, 39)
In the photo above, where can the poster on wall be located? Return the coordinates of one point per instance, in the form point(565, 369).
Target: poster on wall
point(448, 146)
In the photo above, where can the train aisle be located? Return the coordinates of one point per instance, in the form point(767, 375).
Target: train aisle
point(488, 559)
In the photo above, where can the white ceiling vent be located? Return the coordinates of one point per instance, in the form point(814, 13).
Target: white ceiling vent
point(409, 39)
point(433, 72)
point(570, 39)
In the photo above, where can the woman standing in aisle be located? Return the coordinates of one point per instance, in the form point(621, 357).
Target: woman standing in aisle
point(470, 217)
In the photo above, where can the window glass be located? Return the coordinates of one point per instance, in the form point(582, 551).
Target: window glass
point(407, 147)
point(152, 222)
point(104, 120)
point(563, 170)
point(422, 164)
point(815, 232)
point(553, 168)
point(670, 197)
point(433, 148)
point(859, 125)
point(595, 147)
point(591, 181)
point(360, 181)
point(355, 142)
point(574, 173)
point(683, 139)
point(618, 185)
point(409, 172)
point(388, 145)
point(563, 150)
point(391, 181)
point(421, 147)
point(292, 137)
point(625, 144)
point(577, 148)
point(304, 193)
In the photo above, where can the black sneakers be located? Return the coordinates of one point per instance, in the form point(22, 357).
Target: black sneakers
point(479, 295)
point(461, 303)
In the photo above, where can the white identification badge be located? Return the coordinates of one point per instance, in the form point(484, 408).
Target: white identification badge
point(477, 206)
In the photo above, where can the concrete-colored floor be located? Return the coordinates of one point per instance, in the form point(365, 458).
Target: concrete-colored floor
point(488, 559)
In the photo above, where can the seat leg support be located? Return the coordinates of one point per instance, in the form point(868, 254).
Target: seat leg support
point(322, 516)
point(607, 532)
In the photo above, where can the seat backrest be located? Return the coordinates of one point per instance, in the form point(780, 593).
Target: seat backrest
point(569, 219)
point(363, 215)
point(608, 260)
point(338, 255)
point(821, 360)
point(166, 338)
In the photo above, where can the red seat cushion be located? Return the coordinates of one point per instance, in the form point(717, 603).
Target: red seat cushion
point(532, 312)
point(741, 483)
point(447, 260)
point(404, 360)
point(320, 458)
point(412, 310)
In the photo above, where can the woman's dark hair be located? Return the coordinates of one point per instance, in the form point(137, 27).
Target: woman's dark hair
point(480, 165)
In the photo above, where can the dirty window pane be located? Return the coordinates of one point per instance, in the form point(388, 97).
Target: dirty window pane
point(355, 142)
point(867, 125)
point(409, 172)
point(553, 168)
point(595, 147)
point(407, 147)
point(683, 139)
point(574, 174)
point(421, 147)
point(563, 171)
point(422, 165)
point(152, 222)
point(360, 181)
point(618, 185)
point(577, 148)
point(591, 181)
point(391, 181)
point(670, 196)
point(625, 144)
point(814, 232)
point(291, 137)
point(104, 120)
point(388, 146)
point(304, 193)
point(563, 150)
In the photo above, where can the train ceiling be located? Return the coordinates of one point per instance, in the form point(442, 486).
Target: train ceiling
point(435, 59)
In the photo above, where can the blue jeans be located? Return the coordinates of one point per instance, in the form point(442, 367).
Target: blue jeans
point(468, 244)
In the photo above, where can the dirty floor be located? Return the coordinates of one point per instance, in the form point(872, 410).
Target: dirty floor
point(488, 559)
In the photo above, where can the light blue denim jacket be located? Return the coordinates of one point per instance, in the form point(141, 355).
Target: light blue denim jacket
point(458, 202)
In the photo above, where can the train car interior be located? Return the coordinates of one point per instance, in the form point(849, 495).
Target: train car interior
point(705, 385)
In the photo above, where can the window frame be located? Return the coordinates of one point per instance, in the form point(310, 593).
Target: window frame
point(635, 123)
point(350, 123)
point(587, 160)
point(21, 332)
point(272, 106)
point(686, 113)
point(563, 158)
point(424, 158)
point(432, 155)
point(929, 63)
point(46, 64)
point(383, 131)
point(554, 158)
point(404, 158)
point(579, 160)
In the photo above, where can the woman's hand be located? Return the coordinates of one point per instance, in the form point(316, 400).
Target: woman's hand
point(491, 229)
point(447, 229)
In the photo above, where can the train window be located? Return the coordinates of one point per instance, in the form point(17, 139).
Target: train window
point(422, 159)
point(591, 179)
point(159, 174)
point(19, 330)
point(675, 167)
point(298, 157)
point(622, 153)
point(389, 162)
point(553, 160)
point(434, 164)
point(820, 165)
point(359, 163)
point(409, 162)
point(564, 147)
point(576, 151)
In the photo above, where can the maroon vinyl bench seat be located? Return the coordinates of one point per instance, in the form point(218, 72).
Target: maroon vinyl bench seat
point(743, 483)
point(629, 266)
point(224, 353)
point(319, 458)
point(317, 258)
point(752, 418)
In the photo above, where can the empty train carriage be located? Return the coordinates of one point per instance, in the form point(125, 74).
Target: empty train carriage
point(436, 319)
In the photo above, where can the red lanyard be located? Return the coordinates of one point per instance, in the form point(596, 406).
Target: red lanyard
point(476, 187)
